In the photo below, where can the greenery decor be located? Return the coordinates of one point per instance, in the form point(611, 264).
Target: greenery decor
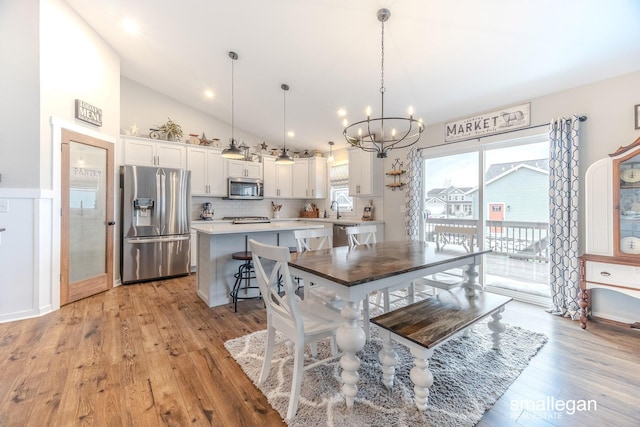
point(171, 129)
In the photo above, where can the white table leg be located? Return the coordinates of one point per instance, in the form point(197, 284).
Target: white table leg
point(388, 359)
point(471, 283)
point(421, 376)
point(496, 327)
point(351, 339)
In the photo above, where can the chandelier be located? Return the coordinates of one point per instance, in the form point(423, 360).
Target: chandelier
point(382, 134)
point(232, 152)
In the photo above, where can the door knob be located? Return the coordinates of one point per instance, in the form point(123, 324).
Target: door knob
point(111, 223)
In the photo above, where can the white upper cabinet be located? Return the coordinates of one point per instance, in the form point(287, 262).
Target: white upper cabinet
point(243, 169)
point(300, 178)
point(309, 178)
point(206, 166)
point(317, 178)
point(277, 179)
point(365, 173)
point(150, 152)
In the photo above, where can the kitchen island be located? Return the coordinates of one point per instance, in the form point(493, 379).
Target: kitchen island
point(216, 242)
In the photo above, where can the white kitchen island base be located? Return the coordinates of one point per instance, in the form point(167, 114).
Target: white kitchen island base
point(217, 242)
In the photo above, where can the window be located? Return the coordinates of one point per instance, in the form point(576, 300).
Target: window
point(339, 187)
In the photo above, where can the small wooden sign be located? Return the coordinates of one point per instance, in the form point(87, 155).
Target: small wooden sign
point(484, 124)
point(88, 113)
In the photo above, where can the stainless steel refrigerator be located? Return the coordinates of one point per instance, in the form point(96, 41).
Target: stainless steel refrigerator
point(155, 207)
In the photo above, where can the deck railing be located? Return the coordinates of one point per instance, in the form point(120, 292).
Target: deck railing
point(517, 239)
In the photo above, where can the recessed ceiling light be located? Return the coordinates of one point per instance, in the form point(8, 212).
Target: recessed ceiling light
point(290, 134)
point(342, 112)
point(130, 26)
point(208, 94)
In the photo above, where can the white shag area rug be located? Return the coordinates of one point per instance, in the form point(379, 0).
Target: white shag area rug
point(469, 377)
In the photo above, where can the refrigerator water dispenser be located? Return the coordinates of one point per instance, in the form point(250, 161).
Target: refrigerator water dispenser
point(142, 211)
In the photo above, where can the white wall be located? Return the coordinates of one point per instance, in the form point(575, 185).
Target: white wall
point(147, 109)
point(19, 89)
point(70, 62)
point(608, 105)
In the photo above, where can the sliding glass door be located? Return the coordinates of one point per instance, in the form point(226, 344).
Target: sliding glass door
point(516, 212)
point(506, 205)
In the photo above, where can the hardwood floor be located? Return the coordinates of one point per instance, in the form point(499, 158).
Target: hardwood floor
point(152, 354)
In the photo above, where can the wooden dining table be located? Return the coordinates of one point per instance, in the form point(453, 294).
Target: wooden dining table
point(355, 272)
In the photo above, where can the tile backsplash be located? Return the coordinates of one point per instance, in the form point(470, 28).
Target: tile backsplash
point(223, 207)
point(290, 207)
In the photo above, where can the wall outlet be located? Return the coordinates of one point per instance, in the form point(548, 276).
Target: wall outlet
point(4, 205)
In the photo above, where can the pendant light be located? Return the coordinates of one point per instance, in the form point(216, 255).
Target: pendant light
point(405, 131)
point(284, 158)
point(233, 152)
point(330, 158)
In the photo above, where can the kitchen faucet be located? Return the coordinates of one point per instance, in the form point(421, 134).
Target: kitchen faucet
point(337, 208)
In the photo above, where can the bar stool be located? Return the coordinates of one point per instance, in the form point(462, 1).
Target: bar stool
point(245, 274)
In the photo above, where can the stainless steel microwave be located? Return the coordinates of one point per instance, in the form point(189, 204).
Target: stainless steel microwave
point(245, 189)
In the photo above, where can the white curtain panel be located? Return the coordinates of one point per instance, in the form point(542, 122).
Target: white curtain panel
point(563, 216)
point(413, 195)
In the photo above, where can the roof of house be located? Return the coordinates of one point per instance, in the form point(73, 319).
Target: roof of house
point(500, 168)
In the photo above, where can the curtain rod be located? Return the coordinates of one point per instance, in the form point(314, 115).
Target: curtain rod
point(581, 118)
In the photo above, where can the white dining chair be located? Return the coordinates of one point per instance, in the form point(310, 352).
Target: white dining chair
point(366, 234)
point(317, 239)
point(361, 234)
point(301, 321)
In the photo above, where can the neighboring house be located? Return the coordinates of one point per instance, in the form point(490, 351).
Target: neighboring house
point(449, 202)
point(516, 191)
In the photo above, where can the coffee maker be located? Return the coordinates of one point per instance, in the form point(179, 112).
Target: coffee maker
point(207, 211)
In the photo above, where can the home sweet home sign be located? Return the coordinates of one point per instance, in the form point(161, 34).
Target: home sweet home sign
point(484, 124)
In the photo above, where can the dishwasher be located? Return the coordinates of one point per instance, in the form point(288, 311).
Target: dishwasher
point(340, 235)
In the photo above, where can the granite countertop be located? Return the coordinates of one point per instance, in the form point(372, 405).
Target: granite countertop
point(226, 227)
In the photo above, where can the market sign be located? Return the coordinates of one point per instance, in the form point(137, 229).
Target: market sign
point(88, 113)
point(484, 124)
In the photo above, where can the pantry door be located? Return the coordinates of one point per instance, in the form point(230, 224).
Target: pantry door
point(87, 223)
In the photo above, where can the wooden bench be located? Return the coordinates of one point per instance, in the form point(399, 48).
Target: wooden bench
point(429, 323)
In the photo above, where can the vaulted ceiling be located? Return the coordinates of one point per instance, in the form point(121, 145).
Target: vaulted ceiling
point(447, 59)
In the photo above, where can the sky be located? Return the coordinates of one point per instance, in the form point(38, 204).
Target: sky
point(461, 170)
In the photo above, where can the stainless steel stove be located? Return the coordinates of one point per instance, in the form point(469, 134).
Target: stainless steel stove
point(247, 219)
